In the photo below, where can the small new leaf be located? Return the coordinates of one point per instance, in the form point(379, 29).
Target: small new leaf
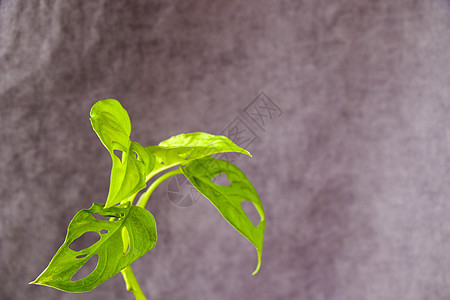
point(111, 123)
point(227, 199)
point(186, 147)
point(111, 248)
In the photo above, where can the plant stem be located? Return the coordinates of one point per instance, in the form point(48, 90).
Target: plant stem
point(132, 284)
point(127, 273)
point(144, 197)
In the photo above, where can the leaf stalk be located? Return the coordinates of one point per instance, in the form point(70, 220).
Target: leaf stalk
point(127, 273)
point(132, 284)
point(146, 195)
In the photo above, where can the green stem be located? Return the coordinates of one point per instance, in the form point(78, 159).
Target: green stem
point(127, 273)
point(132, 284)
point(144, 197)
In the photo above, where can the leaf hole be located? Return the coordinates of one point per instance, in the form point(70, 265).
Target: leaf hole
point(85, 241)
point(251, 212)
point(125, 240)
point(162, 163)
point(86, 269)
point(100, 217)
point(81, 256)
point(104, 231)
point(221, 179)
point(137, 155)
point(118, 153)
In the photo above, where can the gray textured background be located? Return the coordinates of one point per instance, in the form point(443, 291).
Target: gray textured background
point(354, 176)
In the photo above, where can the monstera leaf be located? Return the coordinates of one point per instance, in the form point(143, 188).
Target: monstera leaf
point(186, 147)
point(123, 240)
point(111, 123)
point(228, 199)
point(126, 232)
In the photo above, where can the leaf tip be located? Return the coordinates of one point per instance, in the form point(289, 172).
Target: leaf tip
point(246, 152)
point(36, 281)
point(257, 268)
point(259, 263)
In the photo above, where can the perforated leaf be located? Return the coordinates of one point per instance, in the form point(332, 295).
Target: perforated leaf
point(227, 199)
point(186, 147)
point(115, 250)
point(111, 123)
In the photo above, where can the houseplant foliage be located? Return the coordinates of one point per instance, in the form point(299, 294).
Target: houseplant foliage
point(127, 231)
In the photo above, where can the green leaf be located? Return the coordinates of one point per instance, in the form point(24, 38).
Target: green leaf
point(228, 199)
point(111, 249)
point(186, 147)
point(111, 123)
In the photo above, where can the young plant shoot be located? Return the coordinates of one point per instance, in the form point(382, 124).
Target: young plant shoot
point(129, 231)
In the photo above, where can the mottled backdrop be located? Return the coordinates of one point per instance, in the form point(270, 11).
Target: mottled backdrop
point(352, 165)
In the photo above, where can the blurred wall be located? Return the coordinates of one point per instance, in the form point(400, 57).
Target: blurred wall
point(353, 168)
